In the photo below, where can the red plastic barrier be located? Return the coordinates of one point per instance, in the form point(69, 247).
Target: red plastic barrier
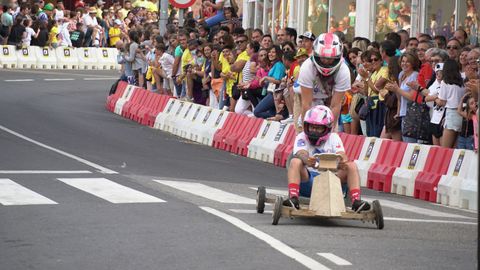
point(353, 145)
point(152, 115)
point(230, 139)
point(142, 114)
point(228, 127)
point(112, 99)
point(134, 99)
point(438, 161)
point(142, 102)
point(389, 158)
point(242, 146)
point(283, 150)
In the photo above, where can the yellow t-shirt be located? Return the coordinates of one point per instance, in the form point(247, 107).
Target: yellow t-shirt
point(54, 34)
point(226, 69)
point(296, 71)
point(187, 58)
point(382, 73)
point(242, 56)
point(114, 31)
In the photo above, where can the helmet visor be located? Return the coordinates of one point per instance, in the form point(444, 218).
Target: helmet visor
point(326, 62)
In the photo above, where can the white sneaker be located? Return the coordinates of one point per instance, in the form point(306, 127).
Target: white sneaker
point(289, 120)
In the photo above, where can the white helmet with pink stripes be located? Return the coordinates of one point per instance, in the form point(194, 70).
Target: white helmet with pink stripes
point(317, 124)
point(327, 53)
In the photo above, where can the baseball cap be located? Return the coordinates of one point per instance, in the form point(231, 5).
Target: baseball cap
point(308, 35)
point(117, 21)
point(92, 10)
point(48, 7)
point(301, 52)
point(100, 2)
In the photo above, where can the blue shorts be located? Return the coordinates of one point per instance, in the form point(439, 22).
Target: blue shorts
point(306, 187)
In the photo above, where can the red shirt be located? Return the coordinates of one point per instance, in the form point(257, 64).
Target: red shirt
point(424, 75)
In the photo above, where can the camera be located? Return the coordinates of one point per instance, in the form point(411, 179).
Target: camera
point(439, 67)
point(141, 47)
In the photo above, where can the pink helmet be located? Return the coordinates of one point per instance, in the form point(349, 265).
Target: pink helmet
point(319, 115)
point(327, 53)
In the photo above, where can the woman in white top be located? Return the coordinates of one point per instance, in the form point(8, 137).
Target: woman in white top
point(449, 96)
point(30, 32)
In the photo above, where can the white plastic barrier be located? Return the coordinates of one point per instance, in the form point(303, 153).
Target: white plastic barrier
point(171, 107)
point(8, 57)
point(106, 58)
point(26, 58)
point(199, 124)
point(46, 57)
point(87, 58)
point(214, 122)
point(125, 97)
point(66, 58)
point(270, 135)
point(459, 186)
point(185, 122)
point(368, 155)
point(413, 162)
point(170, 119)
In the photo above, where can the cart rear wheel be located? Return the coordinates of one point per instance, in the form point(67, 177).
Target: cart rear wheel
point(377, 209)
point(277, 210)
point(261, 197)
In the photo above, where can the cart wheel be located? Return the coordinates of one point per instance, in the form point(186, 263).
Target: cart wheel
point(277, 210)
point(261, 196)
point(377, 209)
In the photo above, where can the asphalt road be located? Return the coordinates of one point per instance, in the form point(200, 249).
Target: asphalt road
point(85, 197)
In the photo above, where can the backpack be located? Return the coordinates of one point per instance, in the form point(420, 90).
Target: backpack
point(113, 89)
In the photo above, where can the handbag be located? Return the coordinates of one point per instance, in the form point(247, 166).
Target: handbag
point(363, 111)
point(235, 90)
point(417, 121)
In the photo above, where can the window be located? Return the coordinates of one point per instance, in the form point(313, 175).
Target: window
point(439, 17)
point(343, 17)
point(392, 16)
point(468, 19)
point(317, 20)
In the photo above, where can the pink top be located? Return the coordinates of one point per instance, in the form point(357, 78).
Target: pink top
point(261, 72)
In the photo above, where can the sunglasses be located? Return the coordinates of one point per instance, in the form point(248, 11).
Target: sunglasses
point(372, 60)
point(221, 42)
point(240, 41)
point(452, 48)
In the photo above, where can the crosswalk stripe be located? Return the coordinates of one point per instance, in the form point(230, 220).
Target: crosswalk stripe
point(12, 193)
point(335, 259)
point(389, 204)
point(110, 191)
point(205, 191)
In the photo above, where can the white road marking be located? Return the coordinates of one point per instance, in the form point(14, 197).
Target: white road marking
point(205, 191)
point(110, 191)
point(51, 72)
point(19, 80)
point(60, 79)
point(12, 193)
point(430, 221)
point(389, 204)
point(79, 159)
point(100, 79)
point(335, 259)
point(273, 242)
point(42, 172)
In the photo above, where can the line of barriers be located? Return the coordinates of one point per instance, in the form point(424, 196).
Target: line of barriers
point(34, 57)
point(431, 173)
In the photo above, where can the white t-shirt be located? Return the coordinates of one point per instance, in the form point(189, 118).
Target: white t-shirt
point(433, 90)
point(166, 61)
point(88, 21)
point(309, 77)
point(406, 88)
point(59, 14)
point(332, 145)
point(26, 41)
point(452, 93)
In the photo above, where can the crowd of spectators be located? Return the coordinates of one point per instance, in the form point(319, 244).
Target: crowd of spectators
point(420, 89)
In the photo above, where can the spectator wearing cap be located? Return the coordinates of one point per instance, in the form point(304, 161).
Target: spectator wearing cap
point(46, 13)
point(115, 32)
point(94, 30)
point(99, 8)
point(301, 56)
point(307, 42)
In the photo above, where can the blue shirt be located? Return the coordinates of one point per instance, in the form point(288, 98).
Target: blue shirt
point(277, 71)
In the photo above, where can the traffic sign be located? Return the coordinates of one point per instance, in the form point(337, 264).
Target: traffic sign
point(182, 3)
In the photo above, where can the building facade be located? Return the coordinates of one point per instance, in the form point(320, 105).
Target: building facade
point(365, 18)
